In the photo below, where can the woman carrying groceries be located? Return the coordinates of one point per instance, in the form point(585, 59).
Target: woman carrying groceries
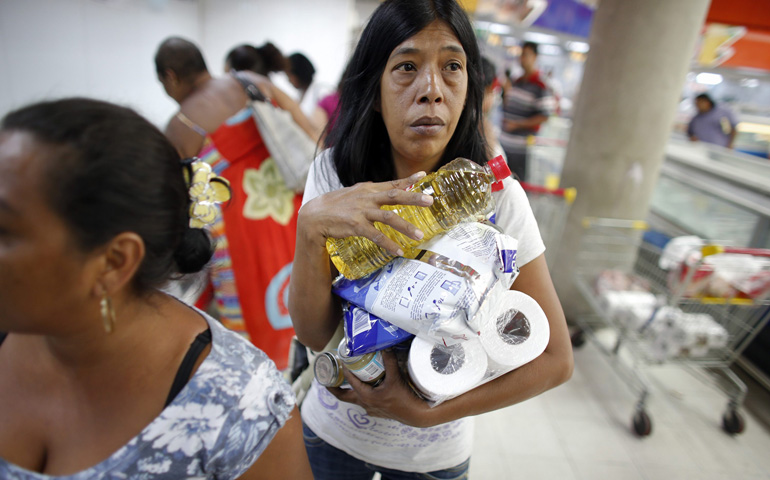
point(411, 102)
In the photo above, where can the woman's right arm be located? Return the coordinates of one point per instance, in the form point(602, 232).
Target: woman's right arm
point(351, 211)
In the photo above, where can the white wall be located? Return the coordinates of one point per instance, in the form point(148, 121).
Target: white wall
point(105, 48)
point(96, 48)
point(319, 29)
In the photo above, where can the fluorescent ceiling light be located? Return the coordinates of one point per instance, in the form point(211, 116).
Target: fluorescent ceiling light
point(510, 41)
point(750, 82)
point(705, 78)
point(499, 28)
point(538, 37)
point(580, 47)
point(549, 49)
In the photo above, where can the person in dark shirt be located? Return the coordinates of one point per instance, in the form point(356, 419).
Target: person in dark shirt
point(524, 110)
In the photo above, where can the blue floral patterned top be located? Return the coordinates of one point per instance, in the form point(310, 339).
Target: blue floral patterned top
point(216, 427)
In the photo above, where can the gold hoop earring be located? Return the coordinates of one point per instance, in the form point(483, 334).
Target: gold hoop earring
point(108, 314)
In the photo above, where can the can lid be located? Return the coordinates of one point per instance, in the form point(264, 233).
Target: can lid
point(326, 369)
point(499, 167)
point(344, 352)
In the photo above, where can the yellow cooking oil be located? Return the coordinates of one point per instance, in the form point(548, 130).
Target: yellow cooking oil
point(461, 192)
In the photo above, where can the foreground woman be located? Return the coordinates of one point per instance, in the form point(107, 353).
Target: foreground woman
point(410, 102)
point(110, 377)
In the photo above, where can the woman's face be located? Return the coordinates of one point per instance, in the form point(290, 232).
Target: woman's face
point(42, 274)
point(422, 95)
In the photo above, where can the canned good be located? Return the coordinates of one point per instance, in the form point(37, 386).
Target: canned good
point(328, 370)
point(369, 367)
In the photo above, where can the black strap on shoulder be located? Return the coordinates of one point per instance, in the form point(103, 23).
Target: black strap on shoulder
point(185, 369)
point(2, 337)
point(251, 89)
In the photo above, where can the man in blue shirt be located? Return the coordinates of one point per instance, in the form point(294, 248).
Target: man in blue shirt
point(712, 124)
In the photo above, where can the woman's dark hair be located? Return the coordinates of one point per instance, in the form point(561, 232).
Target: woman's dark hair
point(246, 57)
point(487, 72)
point(112, 171)
point(272, 58)
point(181, 57)
point(302, 68)
point(362, 151)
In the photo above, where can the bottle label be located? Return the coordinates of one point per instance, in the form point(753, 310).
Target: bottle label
point(372, 370)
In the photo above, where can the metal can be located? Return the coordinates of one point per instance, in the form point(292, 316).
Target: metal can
point(369, 367)
point(328, 370)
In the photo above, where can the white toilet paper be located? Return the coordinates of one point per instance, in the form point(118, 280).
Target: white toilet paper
point(514, 331)
point(440, 371)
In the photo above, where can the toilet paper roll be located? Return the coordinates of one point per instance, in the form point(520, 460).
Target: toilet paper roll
point(514, 331)
point(439, 371)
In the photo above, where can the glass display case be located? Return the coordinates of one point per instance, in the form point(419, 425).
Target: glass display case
point(715, 193)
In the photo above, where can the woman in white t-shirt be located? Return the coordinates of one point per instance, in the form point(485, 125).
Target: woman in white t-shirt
point(411, 102)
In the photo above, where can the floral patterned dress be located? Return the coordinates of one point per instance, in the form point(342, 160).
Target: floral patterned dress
point(255, 238)
point(216, 427)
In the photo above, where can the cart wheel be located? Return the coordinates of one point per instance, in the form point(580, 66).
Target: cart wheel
point(642, 425)
point(732, 422)
point(578, 338)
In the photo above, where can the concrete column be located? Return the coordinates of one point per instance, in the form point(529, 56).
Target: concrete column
point(640, 53)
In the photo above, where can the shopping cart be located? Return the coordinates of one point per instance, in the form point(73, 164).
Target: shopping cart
point(545, 159)
point(551, 207)
point(684, 315)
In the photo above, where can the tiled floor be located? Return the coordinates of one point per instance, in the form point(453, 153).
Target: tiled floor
point(581, 431)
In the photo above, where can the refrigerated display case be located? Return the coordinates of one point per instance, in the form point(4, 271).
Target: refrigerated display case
point(713, 192)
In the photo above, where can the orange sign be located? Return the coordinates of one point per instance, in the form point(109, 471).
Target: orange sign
point(734, 47)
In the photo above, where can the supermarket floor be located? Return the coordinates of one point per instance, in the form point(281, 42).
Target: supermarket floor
point(581, 431)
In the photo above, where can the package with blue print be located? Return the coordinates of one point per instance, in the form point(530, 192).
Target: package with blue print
point(437, 294)
point(366, 332)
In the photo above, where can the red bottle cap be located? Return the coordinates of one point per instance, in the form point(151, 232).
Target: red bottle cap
point(499, 167)
point(497, 186)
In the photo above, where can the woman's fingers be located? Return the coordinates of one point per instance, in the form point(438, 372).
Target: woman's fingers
point(405, 183)
point(354, 211)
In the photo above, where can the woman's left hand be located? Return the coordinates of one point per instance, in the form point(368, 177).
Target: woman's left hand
point(393, 398)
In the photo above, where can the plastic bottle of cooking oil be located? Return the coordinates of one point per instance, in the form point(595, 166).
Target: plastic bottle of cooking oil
point(461, 191)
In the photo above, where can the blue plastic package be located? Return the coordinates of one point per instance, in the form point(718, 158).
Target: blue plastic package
point(366, 332)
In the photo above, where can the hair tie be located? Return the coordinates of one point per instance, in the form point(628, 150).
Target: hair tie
point(206, 189)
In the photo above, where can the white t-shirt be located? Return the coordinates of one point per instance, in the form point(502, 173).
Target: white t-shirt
point(314, 93)
point(389, 443)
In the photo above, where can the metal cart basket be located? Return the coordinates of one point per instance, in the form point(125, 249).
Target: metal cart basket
point(684, 314)
point(551, 207)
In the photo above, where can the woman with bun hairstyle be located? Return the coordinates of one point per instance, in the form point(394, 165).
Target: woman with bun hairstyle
point(111, 377)
point(263, 60)
point(256, 232)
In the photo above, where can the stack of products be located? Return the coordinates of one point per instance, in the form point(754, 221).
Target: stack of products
point(626, 298)
point(721, 275)
point(466, 327)
point(668, 331)
point(674, 333)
